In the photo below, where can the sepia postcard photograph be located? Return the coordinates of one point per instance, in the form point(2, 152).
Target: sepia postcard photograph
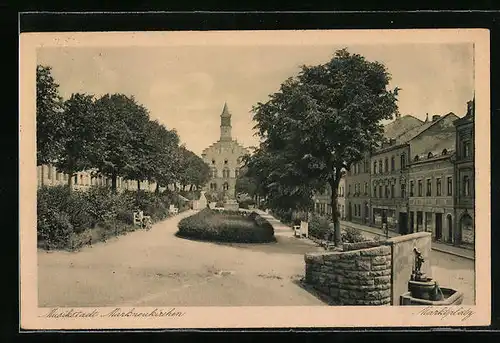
point(254, 179)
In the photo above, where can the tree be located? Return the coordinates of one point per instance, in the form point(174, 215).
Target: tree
point(48, 116)
point(319, 123)
point(77, 136)
point(193, 170)
point(120, 148)
point(162, 155)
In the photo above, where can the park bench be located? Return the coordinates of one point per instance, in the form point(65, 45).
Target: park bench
point(301, 230)
point(141, 220)
point(173, 210)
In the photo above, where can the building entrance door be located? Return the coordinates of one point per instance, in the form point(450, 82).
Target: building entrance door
point(412, 222)
point(450, 228)
point(439, 226)
point(403, 223)
point(419, 221)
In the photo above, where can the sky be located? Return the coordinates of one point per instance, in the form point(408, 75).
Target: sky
point(185, 87)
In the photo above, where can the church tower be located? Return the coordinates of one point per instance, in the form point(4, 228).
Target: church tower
point(225, 124)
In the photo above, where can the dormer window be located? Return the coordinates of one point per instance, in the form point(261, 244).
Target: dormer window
point(416, 158)
point(225, 161)
point(444, 152)
point(429, 155)
point(213, 161)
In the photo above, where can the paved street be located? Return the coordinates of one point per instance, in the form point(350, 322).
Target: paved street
point(155, 268)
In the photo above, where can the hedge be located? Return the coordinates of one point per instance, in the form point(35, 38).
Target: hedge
point(69, 220)
point(227, 226)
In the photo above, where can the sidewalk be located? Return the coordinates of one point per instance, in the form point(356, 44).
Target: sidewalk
point(441, 247)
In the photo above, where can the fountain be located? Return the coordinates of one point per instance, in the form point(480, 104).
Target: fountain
point(423, 290)
point(229, 203)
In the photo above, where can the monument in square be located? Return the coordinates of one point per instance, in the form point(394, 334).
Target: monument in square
point(224, 157)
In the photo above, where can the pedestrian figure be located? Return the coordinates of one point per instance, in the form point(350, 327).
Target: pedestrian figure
point(331, 232)
point(385, 229)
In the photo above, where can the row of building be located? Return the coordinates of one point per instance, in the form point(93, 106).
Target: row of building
point(47, 175)
point(421, 179)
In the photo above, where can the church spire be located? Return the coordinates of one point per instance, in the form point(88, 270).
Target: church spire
point(225, 124)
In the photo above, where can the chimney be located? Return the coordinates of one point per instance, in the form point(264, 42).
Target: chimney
point(435, 117)
point(426, 117)
point(470, 107)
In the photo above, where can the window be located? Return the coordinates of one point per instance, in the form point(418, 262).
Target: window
point(444, 152)
point(213, 161)
point(386, 165)
point(429, 188)
point(213, 186)
point(393, 193)
point(429, 155)
point(214, 172)
point(349, 190)
point(225, 173)
point(225, 161)
point(419, 188)
point(466, 185)
point(438, 187)
point(412, 187)
point(366, 188)
point(374, 191)
point(380, 166)
point(386, 191)
point(380, 191)
point(393, 163)
point(466, 148)
point(226, 186)
point(403, 161)
point(416, 158)
point(375, 167)
point(450, 185)
point(403, 190)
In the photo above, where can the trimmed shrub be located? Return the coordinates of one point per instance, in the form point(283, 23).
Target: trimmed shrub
point(224, 227)
point(352, 235)
point(69, 220)
point(318, 226)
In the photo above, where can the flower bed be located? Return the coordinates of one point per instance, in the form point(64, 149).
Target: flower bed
point(227, 226)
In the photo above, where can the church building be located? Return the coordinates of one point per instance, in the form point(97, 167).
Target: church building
point(224, 158)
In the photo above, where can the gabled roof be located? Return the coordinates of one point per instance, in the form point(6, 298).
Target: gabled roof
point(401, 125)
point(413, 133)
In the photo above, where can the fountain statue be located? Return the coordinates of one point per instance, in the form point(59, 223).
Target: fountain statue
point(230, 204)
point(426, 291)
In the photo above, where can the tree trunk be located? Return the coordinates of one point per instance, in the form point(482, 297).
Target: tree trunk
point(70, 181)
point(335, 214)
point(42, 184)
point(113, 182)
point(138, 185)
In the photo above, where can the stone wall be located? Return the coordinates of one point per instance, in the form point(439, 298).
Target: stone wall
point(358, 277)
point(402, 260)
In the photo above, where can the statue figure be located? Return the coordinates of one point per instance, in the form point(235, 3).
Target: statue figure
point(419, 260)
